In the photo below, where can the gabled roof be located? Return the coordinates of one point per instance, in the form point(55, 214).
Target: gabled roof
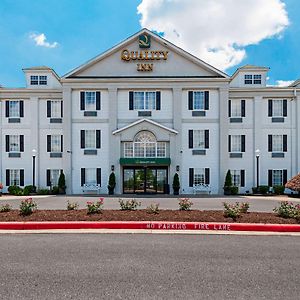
point(250, 68)
point(295, 83)
point(147, 121)
point(42, 68)
point(156, 37)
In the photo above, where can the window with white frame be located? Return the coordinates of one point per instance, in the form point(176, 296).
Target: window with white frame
point(277, 177)
point(14, 108)
point(145, 145)
point(236, 143)
point(198, 100)
point(54, 175)
point(38, 80)
point(199, 176)
point(277, 143)
point(55, 108)
point(90, 139)
point(14, 143)
point(90, 176)
point(198, 139)
point(14, 177)
point(236, 177)
point(257, 79)
point(248, 79)
point(236, 108)
point(277, 108)
point(90, 100)
point(56, 143)
point(144, 100)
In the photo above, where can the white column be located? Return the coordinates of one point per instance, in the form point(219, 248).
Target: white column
point(34, 139)
point(223, 161)
point(258, 139)
point(67, 133)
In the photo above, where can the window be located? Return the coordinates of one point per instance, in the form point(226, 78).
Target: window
point(236, 143)
point(14, 143)
point(90, 101)
point(236, 177)
point(144, 100)
point(199, 176)
point(198, 101)
point(54, 109)
point(15, 177)
point(198, 140)
point(236, 109)
point(38, 80)
point(55, 144)
point(145, 145)
point(90, 176)
point(34, 80)
point(277, 177)
point(257, 79)
point(91, 139)
point(277, 143)
point(52, 177)
point(14, 109)
point(248, 79)
point(277, 110)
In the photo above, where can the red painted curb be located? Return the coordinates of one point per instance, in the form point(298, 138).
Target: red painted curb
point(198, 226)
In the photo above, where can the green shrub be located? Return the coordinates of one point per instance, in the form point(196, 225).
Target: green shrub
point(244, 206)
point(263, 189)
point(5, 208)
point(176, 184)
point(231, 210)
point(72, 205)
point(131, 204)
point(27, 207)
point(95, 207)
point(43, 192)
point(255, 190)
point(62, 183)
point(55, 190)
point(111, 183)
point(15, 190)
point(287, 209)
point(234, 190)
point(185, 204)
point(153, 208)
point(278, 189)
point(28, 189)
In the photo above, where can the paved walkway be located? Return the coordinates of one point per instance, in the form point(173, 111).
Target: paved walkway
point(257, 203)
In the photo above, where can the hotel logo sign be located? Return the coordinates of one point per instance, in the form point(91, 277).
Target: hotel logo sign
point(144, 41)
point(143, 56)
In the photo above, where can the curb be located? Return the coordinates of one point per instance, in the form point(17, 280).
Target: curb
point(180, 226)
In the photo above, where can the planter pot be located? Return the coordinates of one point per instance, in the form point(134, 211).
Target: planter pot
point(227, 191)
point(110, 191)
point(175, 191)
point(61, 191)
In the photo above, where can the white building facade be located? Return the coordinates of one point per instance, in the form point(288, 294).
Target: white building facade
point(146, 110)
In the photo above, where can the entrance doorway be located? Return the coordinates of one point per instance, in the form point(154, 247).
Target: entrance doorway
point(145, 180)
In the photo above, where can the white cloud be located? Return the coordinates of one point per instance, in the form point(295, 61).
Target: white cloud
point(283, 83)
point(216, 31)
point(40, 40)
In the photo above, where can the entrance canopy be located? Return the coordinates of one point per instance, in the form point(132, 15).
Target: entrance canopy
point(145, 161)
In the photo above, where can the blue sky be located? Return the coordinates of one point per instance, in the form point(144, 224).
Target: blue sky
point(83, 29)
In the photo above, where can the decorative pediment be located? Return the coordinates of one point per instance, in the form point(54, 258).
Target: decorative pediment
point(145, 54)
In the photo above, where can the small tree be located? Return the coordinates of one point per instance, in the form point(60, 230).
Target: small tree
point(111, 183)
point(176, 184)
point(62, 183)
point(228, 183)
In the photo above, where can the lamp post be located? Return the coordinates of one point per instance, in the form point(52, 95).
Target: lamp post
point(33, 169)
point(257, 153)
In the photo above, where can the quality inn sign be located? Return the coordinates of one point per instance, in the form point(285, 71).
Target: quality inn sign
point(143, 56)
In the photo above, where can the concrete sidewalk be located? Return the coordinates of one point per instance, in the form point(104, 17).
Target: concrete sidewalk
point(257, 203)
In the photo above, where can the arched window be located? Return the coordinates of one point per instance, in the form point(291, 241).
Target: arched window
point(145, 145)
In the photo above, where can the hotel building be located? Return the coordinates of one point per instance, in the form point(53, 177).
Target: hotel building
point(146, 109)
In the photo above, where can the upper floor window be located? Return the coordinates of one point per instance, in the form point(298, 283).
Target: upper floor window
point(142, 100)
point(14, 143)
point(236, 109)
point(14, 109)
point(198, 100)
point(198, 139)
point(277, 143)
point(236, 143)
point(145, 145)
point(55, 110)
point(277, 109)
point(90, 101)
point(90, 139)
point(38, 80)
point(55, 145)
point(252, 79)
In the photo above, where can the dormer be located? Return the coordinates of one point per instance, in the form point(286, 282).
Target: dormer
point(41, 78)
point(249, 76)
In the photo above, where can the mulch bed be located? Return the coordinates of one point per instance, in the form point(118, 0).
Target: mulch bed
point(143, 215)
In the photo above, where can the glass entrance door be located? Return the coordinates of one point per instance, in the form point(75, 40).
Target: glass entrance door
point(145, 180)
